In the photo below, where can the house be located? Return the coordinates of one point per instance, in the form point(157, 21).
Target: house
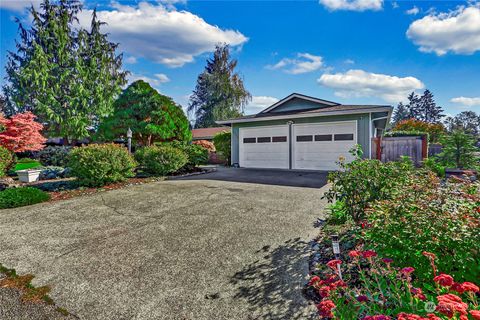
point(207, 133)
point(302, 132)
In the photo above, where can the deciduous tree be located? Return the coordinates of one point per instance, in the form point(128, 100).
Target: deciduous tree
point(21, 133)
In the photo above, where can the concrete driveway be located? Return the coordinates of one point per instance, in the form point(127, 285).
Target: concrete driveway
point(203, 248)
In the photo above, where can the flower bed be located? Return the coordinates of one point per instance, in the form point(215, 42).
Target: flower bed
point(419, 224)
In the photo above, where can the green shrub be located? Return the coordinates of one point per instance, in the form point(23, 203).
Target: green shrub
point(19, 197)
point(6, 160)
point(54, 156)
point(196, 154)
point(433, 216)
point(459, 151)
point(363, 181)
point(100, 164)
point(222, 142)
point(161, 159)
point(433, 165)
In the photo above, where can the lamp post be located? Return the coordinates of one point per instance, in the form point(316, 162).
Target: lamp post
point(129, 137)
point(336, 252)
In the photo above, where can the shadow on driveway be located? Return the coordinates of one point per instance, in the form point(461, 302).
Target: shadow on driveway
point(290, 178)
point(271, 286)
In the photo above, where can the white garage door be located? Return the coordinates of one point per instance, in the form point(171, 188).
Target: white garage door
point(264, 147)
point(319, 146)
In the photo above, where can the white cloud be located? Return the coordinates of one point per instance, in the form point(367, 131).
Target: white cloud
point(155, 81)
point(457, 31)
point(467, 102)
point(130, 60)
point(305, 62)
point(160, 33)
point(19, 5)
point(259, 103)
point(359, 83)
point(349, 61)
point(353, 5)
point(413, 11)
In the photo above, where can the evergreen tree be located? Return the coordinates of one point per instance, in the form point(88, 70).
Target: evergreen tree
point(428, 109)
point(220, 93)
point(401, 113)
point(413, 106)
point(67, 76)
point(152, 117)
point(467, 121)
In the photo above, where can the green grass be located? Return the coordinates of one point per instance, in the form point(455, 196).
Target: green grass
point(27, 165)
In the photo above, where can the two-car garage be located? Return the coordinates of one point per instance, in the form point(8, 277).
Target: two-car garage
point(310, 146)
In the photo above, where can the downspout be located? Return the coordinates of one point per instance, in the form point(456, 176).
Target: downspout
point(290, 144)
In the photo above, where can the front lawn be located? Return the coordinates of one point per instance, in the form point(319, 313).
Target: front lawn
point(407, 238)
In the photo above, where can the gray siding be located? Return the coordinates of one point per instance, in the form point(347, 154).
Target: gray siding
point(297, 104)
point(362, 127)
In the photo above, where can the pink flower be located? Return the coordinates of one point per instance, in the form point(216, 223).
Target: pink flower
point(369, 254)
point(333, 263)
point(387, 260)
point(468, 286)
point(475, 314)
point(325, 308)
point(407, 270)
point(444, 280)
point(354, 254)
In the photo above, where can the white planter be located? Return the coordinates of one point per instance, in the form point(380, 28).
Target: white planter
point(28, 175)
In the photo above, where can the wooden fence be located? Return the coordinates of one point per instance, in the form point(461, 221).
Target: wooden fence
point(393, 148)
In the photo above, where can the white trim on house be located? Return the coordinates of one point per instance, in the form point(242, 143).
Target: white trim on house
point(309, 115)
point(300, 96)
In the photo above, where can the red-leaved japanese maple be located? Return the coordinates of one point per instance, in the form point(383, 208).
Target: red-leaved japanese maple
point(21, 133)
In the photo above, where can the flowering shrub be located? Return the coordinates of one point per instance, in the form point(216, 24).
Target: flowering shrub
point(384, 292)
point(434, 130)
point(442, 218)
point(206, 144)
point(363, 181)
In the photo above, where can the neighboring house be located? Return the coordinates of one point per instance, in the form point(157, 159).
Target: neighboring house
point(302, 132)
point(207, 133)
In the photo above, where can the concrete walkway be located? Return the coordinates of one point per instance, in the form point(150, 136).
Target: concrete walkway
point(182, 249)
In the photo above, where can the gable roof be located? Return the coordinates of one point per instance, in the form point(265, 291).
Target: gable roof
point(207, 133)
point(325, 108)
point(299, 96)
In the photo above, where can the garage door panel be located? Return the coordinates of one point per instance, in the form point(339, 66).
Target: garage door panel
point(323, 155)
point(265, 154)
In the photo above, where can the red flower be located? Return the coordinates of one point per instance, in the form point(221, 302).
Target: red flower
point(468, 286)
point(339, 283)
point(325, 308)
point(418, 293)
point(314, 280)
point(408, 316)
point(407, 270)
point(362, 298)
point(431, 316)
point(377, 317)
point(444, 280)
point(475, 314)
point(369, 254)
point(457, 287)
point(449, 304)
point(333, 263)
point(324, 291)
point(354, 254)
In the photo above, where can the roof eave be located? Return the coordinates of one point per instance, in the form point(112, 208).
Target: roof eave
point(309, 115)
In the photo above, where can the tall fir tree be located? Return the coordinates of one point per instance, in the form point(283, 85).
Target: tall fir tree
point(413, 105)
point(220, 93)
point(67, 76)
point(401, 113)
point(429, 111)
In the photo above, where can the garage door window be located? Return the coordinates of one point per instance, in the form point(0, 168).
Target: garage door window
point(249, 140)
point(279, 139)
point(304, 138)
point(344, 137)
point(323, 137)
point(263, 139)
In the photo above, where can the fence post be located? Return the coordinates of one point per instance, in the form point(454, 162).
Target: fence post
point(379, 148)
point(424, 147)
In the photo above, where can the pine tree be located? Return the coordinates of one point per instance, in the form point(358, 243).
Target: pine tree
point(220, 93)
point(401, 113)
point(428, 109)
point(67, 76)
point(413, 105)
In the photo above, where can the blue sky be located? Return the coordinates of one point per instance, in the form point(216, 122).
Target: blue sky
point(350, 51)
